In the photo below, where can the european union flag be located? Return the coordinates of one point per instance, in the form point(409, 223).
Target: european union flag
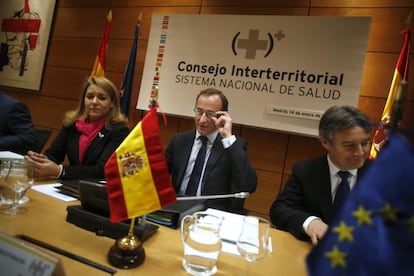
point(374, 232)
point(128, 80)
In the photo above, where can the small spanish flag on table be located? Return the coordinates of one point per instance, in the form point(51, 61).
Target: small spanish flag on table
point(137, 176)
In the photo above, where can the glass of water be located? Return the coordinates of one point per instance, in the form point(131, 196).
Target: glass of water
point(16, 176)
point(253, 240)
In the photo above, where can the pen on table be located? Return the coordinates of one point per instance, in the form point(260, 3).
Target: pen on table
point(67, 254)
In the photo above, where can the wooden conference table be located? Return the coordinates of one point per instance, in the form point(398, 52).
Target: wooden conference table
point(46, 221)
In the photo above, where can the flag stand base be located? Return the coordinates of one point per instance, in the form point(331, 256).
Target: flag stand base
point(127, 252)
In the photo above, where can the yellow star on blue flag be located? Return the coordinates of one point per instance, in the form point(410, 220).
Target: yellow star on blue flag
point(344, 231)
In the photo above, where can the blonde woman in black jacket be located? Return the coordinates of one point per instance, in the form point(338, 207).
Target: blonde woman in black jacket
point(90, 134)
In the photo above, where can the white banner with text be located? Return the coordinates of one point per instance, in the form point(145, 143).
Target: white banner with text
point(278, 72)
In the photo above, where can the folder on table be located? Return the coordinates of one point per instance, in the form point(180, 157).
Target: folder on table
point(172, 214)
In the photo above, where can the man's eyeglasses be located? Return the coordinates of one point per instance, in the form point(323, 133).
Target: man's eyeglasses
point(199, 112)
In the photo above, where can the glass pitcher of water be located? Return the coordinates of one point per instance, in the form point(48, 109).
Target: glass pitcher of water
point(202, 243)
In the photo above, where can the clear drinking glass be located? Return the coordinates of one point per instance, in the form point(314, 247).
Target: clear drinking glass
point(16, 176)
point(253, 242)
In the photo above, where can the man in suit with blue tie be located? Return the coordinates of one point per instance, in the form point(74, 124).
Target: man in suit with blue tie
point(210, 160)
point(317, 187)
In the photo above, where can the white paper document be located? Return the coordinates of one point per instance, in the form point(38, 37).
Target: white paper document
point(230, 231)
point(7, 155)
point(53, 191)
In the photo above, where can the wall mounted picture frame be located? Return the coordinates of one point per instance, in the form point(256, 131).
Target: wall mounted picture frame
point(24, 37)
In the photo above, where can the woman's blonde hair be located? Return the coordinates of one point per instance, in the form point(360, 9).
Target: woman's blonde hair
point(114, 116)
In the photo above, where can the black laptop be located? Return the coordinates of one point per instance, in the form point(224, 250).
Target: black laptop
point(93, 213)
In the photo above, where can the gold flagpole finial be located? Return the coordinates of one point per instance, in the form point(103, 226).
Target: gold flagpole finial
point(109, 16)
point(140, 18)
point(409, 21)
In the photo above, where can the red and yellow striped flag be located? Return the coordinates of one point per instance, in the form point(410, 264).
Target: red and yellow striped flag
point(400, 73)
point(99, 65)
point(137, 177)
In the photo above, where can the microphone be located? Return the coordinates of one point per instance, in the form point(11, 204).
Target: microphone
point(236, 195)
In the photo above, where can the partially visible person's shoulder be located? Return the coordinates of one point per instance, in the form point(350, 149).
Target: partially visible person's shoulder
point(8, 101)
point(312, 162)
point(185, 133)
point(182, 137)
point(118, 128)
point(368, 162)
point(4, 96)
point(69, 127)
point(241, 139)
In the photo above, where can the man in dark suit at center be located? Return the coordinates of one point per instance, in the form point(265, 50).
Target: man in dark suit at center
point(226, 167)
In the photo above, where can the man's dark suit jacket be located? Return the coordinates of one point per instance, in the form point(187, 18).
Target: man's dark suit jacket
point(99, 151)
point(17, 132)
point(227, 170)
point(307, 193)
